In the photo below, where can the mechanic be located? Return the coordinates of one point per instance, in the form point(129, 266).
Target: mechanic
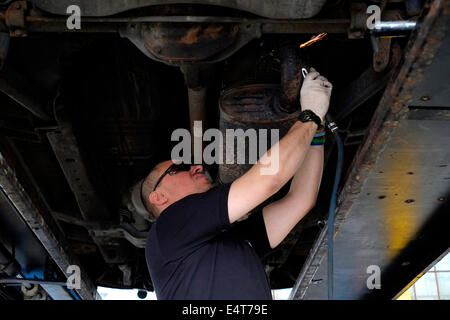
point(197, 248)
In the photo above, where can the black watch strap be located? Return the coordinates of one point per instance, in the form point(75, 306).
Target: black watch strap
point(308, 115)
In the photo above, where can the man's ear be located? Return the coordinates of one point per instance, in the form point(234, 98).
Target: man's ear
point(157, 198)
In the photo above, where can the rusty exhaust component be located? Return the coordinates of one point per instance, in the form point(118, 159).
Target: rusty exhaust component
point(291, 78)
point(262, 106)
point(196, 78)
point(255, 107)
point(197, 112)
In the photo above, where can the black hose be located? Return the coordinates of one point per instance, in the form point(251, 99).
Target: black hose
point(333, 128)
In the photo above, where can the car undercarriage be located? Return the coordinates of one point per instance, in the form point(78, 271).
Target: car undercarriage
point(87, 112)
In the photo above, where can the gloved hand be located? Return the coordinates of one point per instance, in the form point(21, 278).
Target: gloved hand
point(315, 93)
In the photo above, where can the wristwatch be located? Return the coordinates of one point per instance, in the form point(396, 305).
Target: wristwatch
point(308, 115)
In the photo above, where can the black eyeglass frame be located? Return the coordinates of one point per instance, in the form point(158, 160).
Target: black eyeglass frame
point(179, 167)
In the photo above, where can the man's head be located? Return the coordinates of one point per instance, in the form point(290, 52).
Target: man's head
point(174, 185)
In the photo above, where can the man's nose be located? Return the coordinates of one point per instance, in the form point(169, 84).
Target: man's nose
point(196, 168)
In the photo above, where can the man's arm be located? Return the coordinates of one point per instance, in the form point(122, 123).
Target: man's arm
point(252, 188)
point(282, 215)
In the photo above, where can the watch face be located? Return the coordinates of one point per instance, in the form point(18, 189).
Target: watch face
point(305, 116)
point(308, 115)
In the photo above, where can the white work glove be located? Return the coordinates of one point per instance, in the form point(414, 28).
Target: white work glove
point(315, 93)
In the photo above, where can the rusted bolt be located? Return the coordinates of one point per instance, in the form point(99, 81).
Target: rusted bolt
point(425, 98)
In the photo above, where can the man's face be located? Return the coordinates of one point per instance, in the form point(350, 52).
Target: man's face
point(183, 183)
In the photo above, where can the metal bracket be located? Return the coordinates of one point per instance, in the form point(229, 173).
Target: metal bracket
point(358, 19)
point(136, 238)
point(15, 18)
point(381, 56)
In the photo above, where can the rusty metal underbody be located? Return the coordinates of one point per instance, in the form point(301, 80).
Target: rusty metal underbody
point(180, 36)
point(276, 9)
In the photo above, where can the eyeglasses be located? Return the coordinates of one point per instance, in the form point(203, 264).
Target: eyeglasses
point(173, 169)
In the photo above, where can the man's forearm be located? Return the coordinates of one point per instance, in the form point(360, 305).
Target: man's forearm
point(292, 150)
point(283, 160)
point(306, 182)
point(282, 215)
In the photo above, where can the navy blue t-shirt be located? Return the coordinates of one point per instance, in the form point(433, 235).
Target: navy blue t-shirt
point(193, 252)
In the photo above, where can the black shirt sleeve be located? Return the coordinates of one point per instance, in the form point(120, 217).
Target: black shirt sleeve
point(253, 230)
point(190, 222)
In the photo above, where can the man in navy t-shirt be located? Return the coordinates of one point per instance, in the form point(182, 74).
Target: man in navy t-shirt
point(197, 248)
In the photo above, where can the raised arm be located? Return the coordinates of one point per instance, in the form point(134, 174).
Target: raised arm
point(281, 216)
point(254, 187)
